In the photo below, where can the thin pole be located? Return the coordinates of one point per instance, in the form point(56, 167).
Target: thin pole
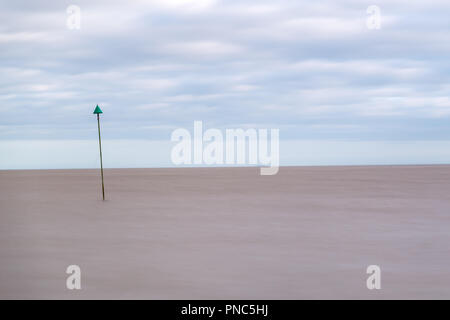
point(101, 160)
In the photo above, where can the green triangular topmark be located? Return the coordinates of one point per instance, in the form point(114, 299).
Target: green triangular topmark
point(97, 110)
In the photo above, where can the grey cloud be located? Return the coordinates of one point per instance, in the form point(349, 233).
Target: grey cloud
point(312, 69)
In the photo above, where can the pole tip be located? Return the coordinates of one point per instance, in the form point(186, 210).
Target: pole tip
point(97, 110)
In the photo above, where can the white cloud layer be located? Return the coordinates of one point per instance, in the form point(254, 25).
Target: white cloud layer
point(312, 69)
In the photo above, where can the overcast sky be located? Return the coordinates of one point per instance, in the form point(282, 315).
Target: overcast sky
point(313, 69)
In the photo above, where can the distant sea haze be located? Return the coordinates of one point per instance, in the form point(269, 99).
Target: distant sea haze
point(60, 154)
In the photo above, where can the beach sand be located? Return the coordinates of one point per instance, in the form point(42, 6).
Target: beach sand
point(226, 233)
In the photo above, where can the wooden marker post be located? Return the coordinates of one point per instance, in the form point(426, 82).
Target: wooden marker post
point(98, 111)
